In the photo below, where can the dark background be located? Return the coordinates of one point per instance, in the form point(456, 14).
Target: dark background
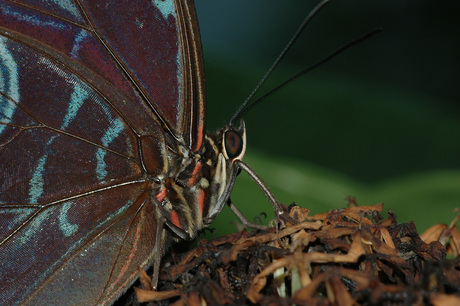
point(384, 112)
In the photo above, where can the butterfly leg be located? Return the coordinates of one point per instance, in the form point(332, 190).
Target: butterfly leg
point(157, 248)
point(279, 211)
point(242, 218)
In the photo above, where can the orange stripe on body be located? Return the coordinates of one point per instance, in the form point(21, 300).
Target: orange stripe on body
point(162, 195)
point(175, 219)
point(200, 200)
point(195, 173)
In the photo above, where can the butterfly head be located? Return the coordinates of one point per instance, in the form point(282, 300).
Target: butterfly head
point(224, 147)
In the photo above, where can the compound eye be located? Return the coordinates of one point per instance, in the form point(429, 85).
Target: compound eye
point(233, 143)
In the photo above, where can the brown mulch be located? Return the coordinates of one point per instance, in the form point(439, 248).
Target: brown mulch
point(350, 256)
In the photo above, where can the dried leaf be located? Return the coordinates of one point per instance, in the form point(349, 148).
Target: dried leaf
point(346, 257)
point(433, 233)
point(151, 296)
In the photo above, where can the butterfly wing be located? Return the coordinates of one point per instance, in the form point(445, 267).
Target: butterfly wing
point(81, 82)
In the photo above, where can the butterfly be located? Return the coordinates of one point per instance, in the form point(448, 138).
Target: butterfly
point(104, 156)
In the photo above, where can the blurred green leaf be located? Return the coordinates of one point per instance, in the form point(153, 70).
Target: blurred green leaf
point(380, 122)
point(425, 198)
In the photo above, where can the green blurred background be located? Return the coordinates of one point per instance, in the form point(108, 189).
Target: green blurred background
point(380, 122)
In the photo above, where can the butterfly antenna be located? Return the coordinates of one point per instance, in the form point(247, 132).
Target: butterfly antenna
point(288, 46)
point(325, 59)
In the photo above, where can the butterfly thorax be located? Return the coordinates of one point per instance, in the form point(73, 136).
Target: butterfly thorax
point(194, 188)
